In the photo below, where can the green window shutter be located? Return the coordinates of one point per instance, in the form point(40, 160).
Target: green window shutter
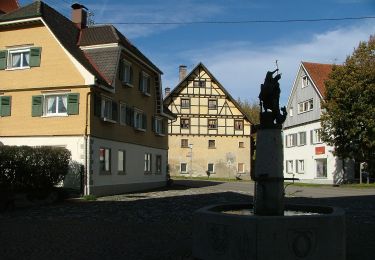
point(5, 104)
point(35, 56)
point(37, 105)
point(73, 104)
point(3, 60)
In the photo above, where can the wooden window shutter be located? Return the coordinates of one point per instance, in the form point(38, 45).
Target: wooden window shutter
point(97, 105)
point(131, 75)
point(148, 85)
point(144, 121)
point(3, 60)
point(140, 87)
point(153, 126)
point(121, 70)
point(5, 105)
point(37, 105)
point(35, 56)
point(114, 111)
point(73, 104)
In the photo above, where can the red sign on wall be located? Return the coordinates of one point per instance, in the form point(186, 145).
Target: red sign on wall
point(320, 150)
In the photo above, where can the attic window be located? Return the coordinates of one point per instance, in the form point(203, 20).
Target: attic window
point(126, 73)
point(199, 84)
point(20, 58)
point(305, 81)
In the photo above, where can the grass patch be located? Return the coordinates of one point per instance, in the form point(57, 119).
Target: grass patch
point(89, 197)
point(202, 178)
point(359, 186)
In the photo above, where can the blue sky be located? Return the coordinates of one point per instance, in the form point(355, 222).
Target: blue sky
point(238, 55)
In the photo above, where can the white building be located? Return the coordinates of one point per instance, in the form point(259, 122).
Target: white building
point(305, 155)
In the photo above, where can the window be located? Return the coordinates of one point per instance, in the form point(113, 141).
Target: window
point(184, 143)
point(108, 110)
point(241, 144)
point(305, 81)
point(291, 111)
point(211, 144)
point(5, 105)
point(241, 168)
point(126, 73)
point(185, 103)
point(123, 114)
point(210, 168)
point(147, 166)
point(301, 138)
point(316, 136)
point(212, 104)
point(22, 58)
point(199, 84)
point(183, 167)
point(145, 83)
point(289, 166)
point(55, 105)
point(158, 164)
point(321, 168)
point(19, 58)
point(305, 106)
point(121, 162)
point(140, 120)
point(185, 123)
point(212, 123)
point(291, 140)
point(159, 127)
point(300, 166)
point(238, 124)
point(105, 160)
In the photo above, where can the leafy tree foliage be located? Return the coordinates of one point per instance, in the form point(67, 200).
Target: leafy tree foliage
point(348, 119)
point(251, 108)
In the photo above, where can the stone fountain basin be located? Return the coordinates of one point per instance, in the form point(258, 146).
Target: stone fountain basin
point(218, 235)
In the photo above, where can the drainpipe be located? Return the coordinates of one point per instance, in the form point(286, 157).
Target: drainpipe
point(87, 141)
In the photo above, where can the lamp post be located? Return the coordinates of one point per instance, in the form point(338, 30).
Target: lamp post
point(191, 159)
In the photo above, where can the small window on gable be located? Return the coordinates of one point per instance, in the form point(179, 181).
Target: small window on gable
point(238, 124)
point(199, 84)
point(305, 81)
point(21, 58)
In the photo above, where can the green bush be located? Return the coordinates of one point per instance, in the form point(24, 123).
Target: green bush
point(24, 168)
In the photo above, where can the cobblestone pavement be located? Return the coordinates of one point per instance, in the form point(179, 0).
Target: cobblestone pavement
point(148, 225)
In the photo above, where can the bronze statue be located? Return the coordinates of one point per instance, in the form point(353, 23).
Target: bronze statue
point(269, 97)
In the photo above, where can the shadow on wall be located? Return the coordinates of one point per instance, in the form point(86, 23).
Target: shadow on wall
point(73, 179)
point(344, 171)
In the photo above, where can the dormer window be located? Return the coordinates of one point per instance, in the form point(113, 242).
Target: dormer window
point(305, 82)
point(126, 73)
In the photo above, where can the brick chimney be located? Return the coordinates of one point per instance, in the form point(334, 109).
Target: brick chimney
point(79, 15)
point(182, 72)
point(167, 91)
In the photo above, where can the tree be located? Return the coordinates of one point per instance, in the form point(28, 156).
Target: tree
point(348, 120)
point(251, 109)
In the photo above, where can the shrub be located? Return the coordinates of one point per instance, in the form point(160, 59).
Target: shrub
point(24, 168)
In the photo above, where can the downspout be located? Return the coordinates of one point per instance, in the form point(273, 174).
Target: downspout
point(86, 137)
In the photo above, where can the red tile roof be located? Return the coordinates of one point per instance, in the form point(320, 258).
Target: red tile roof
point(7, 6)
point(319, 74)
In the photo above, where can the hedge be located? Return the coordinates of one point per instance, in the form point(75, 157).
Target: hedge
point(24, 168)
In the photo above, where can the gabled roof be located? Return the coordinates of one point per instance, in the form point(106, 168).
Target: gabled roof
point(318, 73)
point(7, 6)
point(177, 90)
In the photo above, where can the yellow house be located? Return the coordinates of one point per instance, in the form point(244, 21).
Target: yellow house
point(211, 135)
point(63, 83)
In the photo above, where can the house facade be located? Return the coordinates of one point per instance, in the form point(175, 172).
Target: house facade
point(306, 156)
point(63, 83)
point(211, 135)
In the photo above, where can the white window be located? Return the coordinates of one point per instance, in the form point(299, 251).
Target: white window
point(316, 136)
point(301, 138)
point(211, 168)
point(19, 59)
point(145, 84)
point(241, 168)
point(55, 105)
point(105, 160)
point(305, 81)
point(300, 166)
point(212, 124)
point(121, 161)
point(291, 140)
point(289, 166)
point(123, 114)
point(321, 168)
point(126, 73)
point(147, 166)
point(183, 167)
point(291, 111)
point(158, 164)
point(140, 120)
point(305, 106)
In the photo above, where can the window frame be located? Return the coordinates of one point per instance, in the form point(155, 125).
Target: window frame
point(291, 140)
point(14, 51)
point(127, 66)
point(289, 166)
point(123, 162)
point(158, 164)
point(106, 161)
point(183, 125)
point(210, 107)
point(213, 168)
point(300, 166)
point(316, 137)
point(145, 87)
point(236, 128)
point(182, 143)
point(183, 105)
point(45, 104)
point(299, 139)
point(139, 117)
point(305, 81)
point(199, 83)
point(306, 106)
point(147, 163)
point(210, 142)
point(210, 125)
point(186, 168)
